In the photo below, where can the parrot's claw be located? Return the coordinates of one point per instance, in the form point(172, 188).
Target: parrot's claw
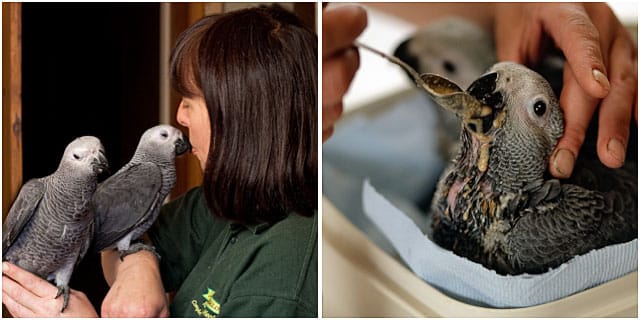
point(137, 247)
point(64, 291)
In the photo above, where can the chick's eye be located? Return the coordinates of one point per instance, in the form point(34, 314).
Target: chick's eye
point(540, 108)
point(449, 66)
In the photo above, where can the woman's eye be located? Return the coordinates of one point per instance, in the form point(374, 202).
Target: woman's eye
point(540, 108)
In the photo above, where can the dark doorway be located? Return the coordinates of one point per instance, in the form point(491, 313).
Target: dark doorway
point(88, 69)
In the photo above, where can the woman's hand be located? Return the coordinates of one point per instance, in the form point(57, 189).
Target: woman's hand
point(341, 25)
point(137, 289)
point(601, 71)
point(27, 295)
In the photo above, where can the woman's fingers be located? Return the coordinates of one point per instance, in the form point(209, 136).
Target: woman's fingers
point(575, 34)
point(29, 281)
point(28, 294)
point(337, 73)
point(601, 64)
point(578, 109)
point(11, 294)
point(341, 25)
point(615, 111)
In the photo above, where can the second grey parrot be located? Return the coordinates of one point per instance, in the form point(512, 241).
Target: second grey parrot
point(452, 47)
point(49, 226)
point(128, 202)
point(496, 203)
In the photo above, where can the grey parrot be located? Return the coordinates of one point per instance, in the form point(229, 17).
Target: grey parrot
point(496, 203)
point(452, 47)
point(49, 226)
point(127, 203)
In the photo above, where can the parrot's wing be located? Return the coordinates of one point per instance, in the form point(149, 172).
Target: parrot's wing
point(84, 247)
point(21, 211)
point(556, 230)
point(124, 200)
point(592, 174)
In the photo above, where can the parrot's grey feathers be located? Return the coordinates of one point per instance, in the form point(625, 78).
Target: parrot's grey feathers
point(49, 226)
point(496, 204)
point(548, 191)
point(552, 232)
point(119, 207)
point(23, 208)
point(127, 203)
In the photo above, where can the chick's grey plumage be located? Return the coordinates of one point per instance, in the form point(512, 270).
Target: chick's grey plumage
point(127, 203)
point(48, 228)
point(497, 205)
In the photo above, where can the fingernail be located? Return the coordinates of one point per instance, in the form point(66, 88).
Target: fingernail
point(601, 78)
point(352, 59)
point(563, 162)
point(616, 149)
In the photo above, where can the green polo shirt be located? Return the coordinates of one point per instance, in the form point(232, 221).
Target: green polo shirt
point(222, 269)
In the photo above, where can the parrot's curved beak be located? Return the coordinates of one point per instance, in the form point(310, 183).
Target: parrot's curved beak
point(182, 146)
point(100, 163)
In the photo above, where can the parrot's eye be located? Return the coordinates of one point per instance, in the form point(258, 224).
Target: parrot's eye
point(76, 156)
point(164, 134)
point(448, 66)
point(540, 108)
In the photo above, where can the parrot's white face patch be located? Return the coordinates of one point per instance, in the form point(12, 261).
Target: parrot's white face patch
point(85, 154)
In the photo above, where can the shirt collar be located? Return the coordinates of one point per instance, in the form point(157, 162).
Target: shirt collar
point(255, 228)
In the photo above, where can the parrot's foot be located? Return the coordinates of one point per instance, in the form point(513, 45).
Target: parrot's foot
point(137, 247)
point(64, 291)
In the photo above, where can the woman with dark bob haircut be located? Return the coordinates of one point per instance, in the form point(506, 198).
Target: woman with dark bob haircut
point(244, 244)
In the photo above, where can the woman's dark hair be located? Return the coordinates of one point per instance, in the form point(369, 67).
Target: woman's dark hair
point(257, 71)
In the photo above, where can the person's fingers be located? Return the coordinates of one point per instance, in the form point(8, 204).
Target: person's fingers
point(616, 109)
point(578, 109)
point(29, 281)
point(341, 25)
point(330, 115)
point(573, 32)
point(337, 73)
point(26, 299)
point(510, 33)
point(607, 24)
point(16, 309)
point(327, 133)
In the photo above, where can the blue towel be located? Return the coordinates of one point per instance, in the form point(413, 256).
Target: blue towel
point(470, 281)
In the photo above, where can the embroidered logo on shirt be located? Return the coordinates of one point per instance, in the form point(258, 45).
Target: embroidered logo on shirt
point(210, 308)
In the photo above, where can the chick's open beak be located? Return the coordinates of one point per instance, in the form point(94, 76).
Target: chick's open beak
point(476, 107)
point(448, 95)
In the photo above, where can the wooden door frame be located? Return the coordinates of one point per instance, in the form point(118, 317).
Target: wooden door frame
point(11, 103)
